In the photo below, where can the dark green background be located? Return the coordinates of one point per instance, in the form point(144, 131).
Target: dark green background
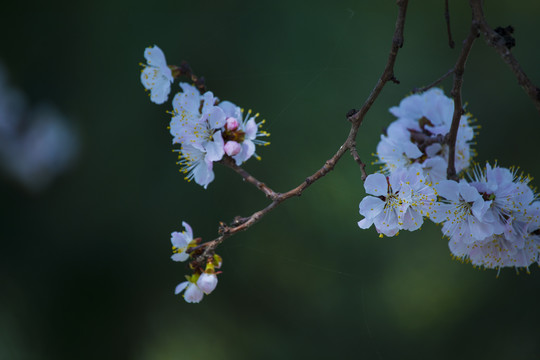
point(84, 267)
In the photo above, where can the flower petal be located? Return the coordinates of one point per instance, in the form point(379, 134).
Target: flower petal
point(376, 184)
point(180, 287)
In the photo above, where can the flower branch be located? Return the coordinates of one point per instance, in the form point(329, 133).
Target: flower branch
point(498, 42)
point(451, 42)
point(459, 69)
point(356, 118)
point(356, 158)
point(230, 163)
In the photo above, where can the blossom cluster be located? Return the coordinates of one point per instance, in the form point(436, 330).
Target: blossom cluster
point(416, 136)
point(205, 128)
point(491, 220)
point(202, 281)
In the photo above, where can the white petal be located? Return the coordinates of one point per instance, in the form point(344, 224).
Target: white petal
point(365, 223)
point(155, 57)
point(180, 256)
point(180, 287)
point(203, 173)
point(214, 149)
point(248, 149)
point(216, 118)
point(193, 294)
point(251, 129)
point(230, 109)
point(479, 230)
point(376, 184)
point(448, 189)
point(207, 282)
point(160, 92)
point(468, 192)
point(371, 206)
point(189, 232)
point(433, 149)
point(179, 240)
point(411, 150)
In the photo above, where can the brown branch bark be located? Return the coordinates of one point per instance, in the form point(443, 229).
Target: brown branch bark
point(230, 163)
point(459, 69)
point(356, 158)
point(447, 18)
point(356, 118)
point(497, 42)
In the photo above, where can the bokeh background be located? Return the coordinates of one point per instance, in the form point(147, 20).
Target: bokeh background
point(84, 267)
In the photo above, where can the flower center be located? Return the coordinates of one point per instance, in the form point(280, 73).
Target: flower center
point(236, 135)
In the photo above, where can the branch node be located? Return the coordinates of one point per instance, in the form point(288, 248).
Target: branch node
point(506, 36)
point(350, 114)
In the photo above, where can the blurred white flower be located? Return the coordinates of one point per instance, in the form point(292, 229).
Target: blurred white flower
point(35, 145)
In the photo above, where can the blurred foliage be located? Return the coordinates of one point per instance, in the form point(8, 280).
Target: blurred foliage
point(85, 268)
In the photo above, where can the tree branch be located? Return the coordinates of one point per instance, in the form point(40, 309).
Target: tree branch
point(447, 18)
point(356, 118)
point(459, 69)
point(230, 163)
point(356, 158)
point(497, 42)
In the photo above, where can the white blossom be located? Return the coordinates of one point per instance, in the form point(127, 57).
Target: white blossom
point(464, 212)
point(156, 76)
point(192, 294)
point(36, 144)
point(399, 201)
point(180, 242)
point(417, 136)
point(196, 125)
point(500, 228)
point(207, 282)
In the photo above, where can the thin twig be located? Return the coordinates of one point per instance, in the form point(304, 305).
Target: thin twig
point(355, 118)
point(459, 69)
point(498, 43)
point(447, 18)
point(185, 70)
point(433, 84)
point(356, 158)
point(227, 161)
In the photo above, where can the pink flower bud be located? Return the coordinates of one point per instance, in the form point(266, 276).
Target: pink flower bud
point(232, 124)
point(232, 147)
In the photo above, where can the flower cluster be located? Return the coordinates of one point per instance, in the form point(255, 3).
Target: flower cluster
point(203, 280)
point(492, 220)
point(205, 128)
point(417, 136)
point(399, 201)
